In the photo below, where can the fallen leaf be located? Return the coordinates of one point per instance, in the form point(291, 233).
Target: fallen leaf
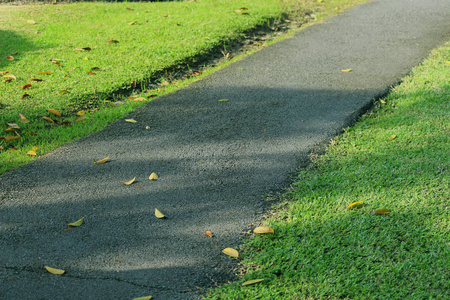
point(130, 8)
point(31, 133)
point(166, 16)
point(393, 136)
point(209, 233)
point(238, 11)
point(4, 72)
point(90, 73)
point(263, 229)
point(81, 112)
point(223, 100)
point(448, 62)
point(140, 99)
point(54, 271)
point(31, 152)
point(112, 41)
point(48, 119)
point(356, 205)
point(76, 223)
point(13, 125)
point(79, 49)
point(131, 120)
point(250, 282)
point(244, 8)
point(44, 73)
point(129, 182)
point(31, 22)
point(10, 129)
point(159, 214)
point(132, 23)
point(1, 147)
point(63, 91)
point(23, 119)
point(25, 95)
point(10, 76)
point(65, 122)
point(36, 79)
point(80, 119)
point(95, 68)
point(346, 70)
point(101, 161)
point(230, 252)
point(382, 211)
point(143, 298)
point(26, 86)
point(153, 176)
point(9, 57)
point(54, 111)
point(13, 149)
point(7, 80)
point(147, 127)
point(382, 102)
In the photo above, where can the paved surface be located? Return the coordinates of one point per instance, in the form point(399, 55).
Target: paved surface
point(216, 161)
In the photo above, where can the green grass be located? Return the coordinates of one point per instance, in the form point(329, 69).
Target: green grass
point(321, 250)
point(144, 53)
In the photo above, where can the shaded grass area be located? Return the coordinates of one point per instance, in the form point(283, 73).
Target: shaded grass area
point(397, 158)
point(94, 64)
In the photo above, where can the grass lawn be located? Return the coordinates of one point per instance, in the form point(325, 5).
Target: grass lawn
point(396, 158)
point(95, 62)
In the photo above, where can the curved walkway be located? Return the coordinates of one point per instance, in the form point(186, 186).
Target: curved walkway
point(216, 161)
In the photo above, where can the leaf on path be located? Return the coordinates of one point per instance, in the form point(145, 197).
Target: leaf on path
point(48, 119)
point(54, 111)
point(159, 214)
point(223, 100)
point(65, 122)
point(346, 70)
point(393, 136)
point(10, 76)
point(132, 23)
point(382, 211)
point(54, 271)
point(10, 138)
point(23, 119)
point(356, 205)
point(230, 252)
point(251, 282)
point(101, 161)
point(129, 182)
point(263, 229)
point(131, 120)
point(76, 223)
point(44, 73)
point(9, 57)
point(31, 22)
point(143, 298)
point(209, 233)
point(26, 86)
point(153, 176)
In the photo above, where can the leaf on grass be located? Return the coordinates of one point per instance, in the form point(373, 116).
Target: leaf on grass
point(4, 72)
point(166, 16)
point(356, 204)
point(76, 223)
point(10, 129)
point(393, 136)
point(238, 11)
point(346, 70)
point(80, 119)
point(263, 229)
point(382, 102)
point(101, 161)
point(132, 23)
point(209, 233)
point(10, 76)
point(95, 68)
point(31, 152)
point(63, 91)
point(48, 119)
point(31, 22)
point(54, 271)
point(9, 57)
point(140, 99)
point(129, 8)
point(112, 41)
point(230, 252)
point(129, 182)
point(83, 49)
point(131, 120)
point(448, 62)
point(223, 100)
point(44, 73)
point(382, 211)
point(54, 111)
point(23, 119)
point(36, 79)
point(81, 112)
point(24, 96)
point(7, 80)
point(251, 282)
point(143, 298)
point(13, 125)
point(153, 176)
point(31, 133)
point(65, 122)
point(1, 147)
point(159, 214)
point(26, 86)
point(90, 73)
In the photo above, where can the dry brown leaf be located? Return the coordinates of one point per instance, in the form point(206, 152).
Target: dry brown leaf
point(65, 122)
point(63, 91)
point(90, 73)
point(95, 68)
point(238, 11)
point(263, 229)
point(23, 119)
point(31, 133)
point(31, 22)
point(10, 76)
point(129, 182)
point(159, 214)
point(10, 138)
point(13, 125)
point(9, 57)
point(80, 119)
point(112, 41)
point(153, 176)
point(251, 282)
point(36, 79)
point(54, 271)
point(357, 204)
point(44, 73)
point(4, 72)
point(48, 119)
point(101, 161)
point(129, 8)
point(25, 95)
point(230, 252)
point(10, 129)
point(132, 23)
point(26, 86)
point(382, 211)
point(140, 99)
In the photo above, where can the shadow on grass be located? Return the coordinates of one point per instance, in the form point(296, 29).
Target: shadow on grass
point(12, 44)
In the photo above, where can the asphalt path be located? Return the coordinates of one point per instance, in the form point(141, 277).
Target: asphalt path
point(217, 161)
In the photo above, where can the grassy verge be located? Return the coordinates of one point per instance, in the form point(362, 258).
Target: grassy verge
point(99, 61)
point(397, 158)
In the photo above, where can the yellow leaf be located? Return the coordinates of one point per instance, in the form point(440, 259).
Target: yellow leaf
point(81, 112)
point(209, 233)
point(31, 22)
point(346, 70)
point(54, 111)
point(383, 102)
point(153, 176)
point(159, 214)
point(231, 252)
point(101, 161)
point(44, 73)
point(448, 62)
point(23, 119)
point(10, 76)
point(263, 229)
point(143, 298)
point(382, 211)
point(48, 119)
point(132, 23)
point(250, 282)
point(147, 127)
point(356, 205)
point(131, 120)
point(80, 119)
point(31, 152)
point(54, 271)
point(129, 182)
point(76, 223)
point(393, 136)
point(223, 100)
point(86, 58)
